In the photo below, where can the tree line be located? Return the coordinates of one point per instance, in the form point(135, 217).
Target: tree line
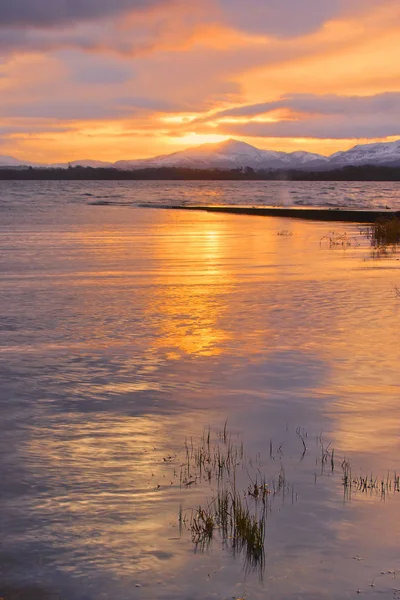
point(350, 173)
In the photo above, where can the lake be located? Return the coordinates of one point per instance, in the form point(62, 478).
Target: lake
point(151, 358)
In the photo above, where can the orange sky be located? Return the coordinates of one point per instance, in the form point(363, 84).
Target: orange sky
point(135, 78)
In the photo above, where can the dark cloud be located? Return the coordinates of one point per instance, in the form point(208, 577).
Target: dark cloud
point(98, 36)
point(284, 18)
point(40, 13)
point(141, 32)
point(89, 25)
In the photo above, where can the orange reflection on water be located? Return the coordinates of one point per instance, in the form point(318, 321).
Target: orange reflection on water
point(192, 283)
point(190, 286)
point(210, 278)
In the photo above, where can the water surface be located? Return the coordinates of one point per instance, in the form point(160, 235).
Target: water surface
point(126, 330)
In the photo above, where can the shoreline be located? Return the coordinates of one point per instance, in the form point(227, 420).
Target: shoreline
point(307, 213)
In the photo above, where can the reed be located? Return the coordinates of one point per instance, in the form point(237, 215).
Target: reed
point(235, 513)
point(369, 483)
point(241, 494)
point(385, 232)
point(341, 240)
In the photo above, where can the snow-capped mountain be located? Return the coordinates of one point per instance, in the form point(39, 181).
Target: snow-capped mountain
point(368, 154)
point(234, 154)
point(231, 154)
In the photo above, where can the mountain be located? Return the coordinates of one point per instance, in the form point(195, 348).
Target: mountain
point(231, 154)
point(387, 153)
point(234, 154)
point(10, 161)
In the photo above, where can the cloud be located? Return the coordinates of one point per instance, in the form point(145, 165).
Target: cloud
point(154, 25)
point(150, 104)
point(329, 104)
point(86, 109)
point(132, 26)
point(287, 18)
point(284, 18)
point(41, 13)
point(325, 116)
point(55, 86)
point(379, 104)
point(100, 73)
point(318, 128)
point(20, 128)
point(251, 110)
point(121, 67)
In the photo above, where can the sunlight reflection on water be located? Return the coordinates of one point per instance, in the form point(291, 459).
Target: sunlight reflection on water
point(124, 332)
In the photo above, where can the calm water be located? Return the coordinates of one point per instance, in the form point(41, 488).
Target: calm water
point(125, 331)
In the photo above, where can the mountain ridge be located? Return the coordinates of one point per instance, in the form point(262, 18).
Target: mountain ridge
point(234, 154)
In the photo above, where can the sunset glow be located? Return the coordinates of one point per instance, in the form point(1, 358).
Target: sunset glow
point(133, 79)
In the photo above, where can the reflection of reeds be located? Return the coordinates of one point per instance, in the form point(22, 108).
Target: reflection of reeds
point(248, 532)
point(342, 240)
point(368, 483)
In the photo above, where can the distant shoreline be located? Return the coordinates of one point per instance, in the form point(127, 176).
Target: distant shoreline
point(350, 173)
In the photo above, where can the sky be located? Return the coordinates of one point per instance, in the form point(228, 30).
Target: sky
point(126, 79)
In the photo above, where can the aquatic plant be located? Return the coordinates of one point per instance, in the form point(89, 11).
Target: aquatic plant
point(341, 240)
point(384, 232)
point(202, 525)
point(241, 497)
point(369, 482)
point(236, 513)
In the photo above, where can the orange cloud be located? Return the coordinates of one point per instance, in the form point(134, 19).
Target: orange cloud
point(150, 81)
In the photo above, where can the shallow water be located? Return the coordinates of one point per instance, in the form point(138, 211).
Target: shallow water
point(125, 331)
